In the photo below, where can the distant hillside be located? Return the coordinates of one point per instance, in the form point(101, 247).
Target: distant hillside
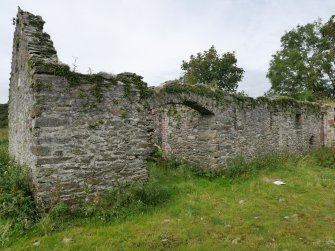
point(3, 115)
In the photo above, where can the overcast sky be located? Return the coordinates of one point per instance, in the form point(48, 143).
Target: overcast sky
point(152, 37)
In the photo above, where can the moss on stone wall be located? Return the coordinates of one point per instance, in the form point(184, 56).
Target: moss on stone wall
point(41, 63)
point(291, 102)
point(43, 60)
point(129, 80)
point(35, 21)
point(282, 102)
point(176, 87)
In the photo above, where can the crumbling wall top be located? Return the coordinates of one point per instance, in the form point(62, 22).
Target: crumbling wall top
point(39, 45)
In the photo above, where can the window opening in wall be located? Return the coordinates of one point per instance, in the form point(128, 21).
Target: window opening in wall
point(298, 120)
point(311, 141)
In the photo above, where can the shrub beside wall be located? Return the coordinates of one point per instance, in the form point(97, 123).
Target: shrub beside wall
point(3, 115)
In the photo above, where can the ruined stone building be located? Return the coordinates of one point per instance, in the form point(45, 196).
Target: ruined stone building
point(80, 134)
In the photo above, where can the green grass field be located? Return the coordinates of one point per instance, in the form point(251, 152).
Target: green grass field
point(247, 212)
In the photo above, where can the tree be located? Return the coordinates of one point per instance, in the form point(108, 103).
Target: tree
point(212, 69)
point(304, 66)
point(328, 53)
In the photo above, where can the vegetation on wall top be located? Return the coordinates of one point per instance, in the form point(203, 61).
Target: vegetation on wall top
point(220, 96)
point(212, 69)
point(219, 75)
point(98, 79)
point(45, 61)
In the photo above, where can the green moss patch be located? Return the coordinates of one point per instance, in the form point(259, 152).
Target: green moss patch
point(220, 96)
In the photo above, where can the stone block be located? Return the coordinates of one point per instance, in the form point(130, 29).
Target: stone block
point(40, 150)
point(49, 122)
point(43, 161)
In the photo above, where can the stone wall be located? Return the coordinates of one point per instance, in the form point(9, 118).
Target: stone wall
point(327, 126)
point(82, 134)
point(238, 129)
point(79, 134)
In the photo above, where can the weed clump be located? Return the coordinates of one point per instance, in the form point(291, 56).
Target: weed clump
point(125, 200)
point(16, 203)
point(3, 115)
point(325, 157)
point(236, 167)
point(239, 166)
point(18, 212)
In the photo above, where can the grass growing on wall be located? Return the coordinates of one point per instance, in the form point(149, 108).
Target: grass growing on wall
point(244, 211)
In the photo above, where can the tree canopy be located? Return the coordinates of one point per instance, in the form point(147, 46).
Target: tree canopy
point(304, 67)
point(212, 69)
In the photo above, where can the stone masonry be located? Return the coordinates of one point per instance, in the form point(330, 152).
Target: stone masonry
point(76, 142)
point(83, 134)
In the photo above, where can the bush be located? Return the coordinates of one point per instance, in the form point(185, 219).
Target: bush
point(125, 200)
point(17, 209)
point(3, 115)
point(213, 69)
point(236, 167)
point(60, 209)
point(16, 203)
point(240, 166)
point(325, 157)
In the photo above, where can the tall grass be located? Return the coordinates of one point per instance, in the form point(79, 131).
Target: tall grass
point(263, 161)
point(125, 200)
point(3, 115)
point(236, 167)
point(18, 213)
point(325, 157)
point(16, 203)
point(17, 210)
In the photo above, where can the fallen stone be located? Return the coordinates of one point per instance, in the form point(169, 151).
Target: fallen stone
point(37, 243)
point(166, 242)
point(66, 240)
point(279, 182)
point(281, 200)
point(294, 215)
point(235, 241)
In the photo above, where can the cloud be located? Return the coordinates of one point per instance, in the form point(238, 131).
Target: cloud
point(152, 37)
point(254, 83)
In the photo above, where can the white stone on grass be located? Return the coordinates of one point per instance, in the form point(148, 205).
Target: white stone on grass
point(278, 182)
point(37, 243)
